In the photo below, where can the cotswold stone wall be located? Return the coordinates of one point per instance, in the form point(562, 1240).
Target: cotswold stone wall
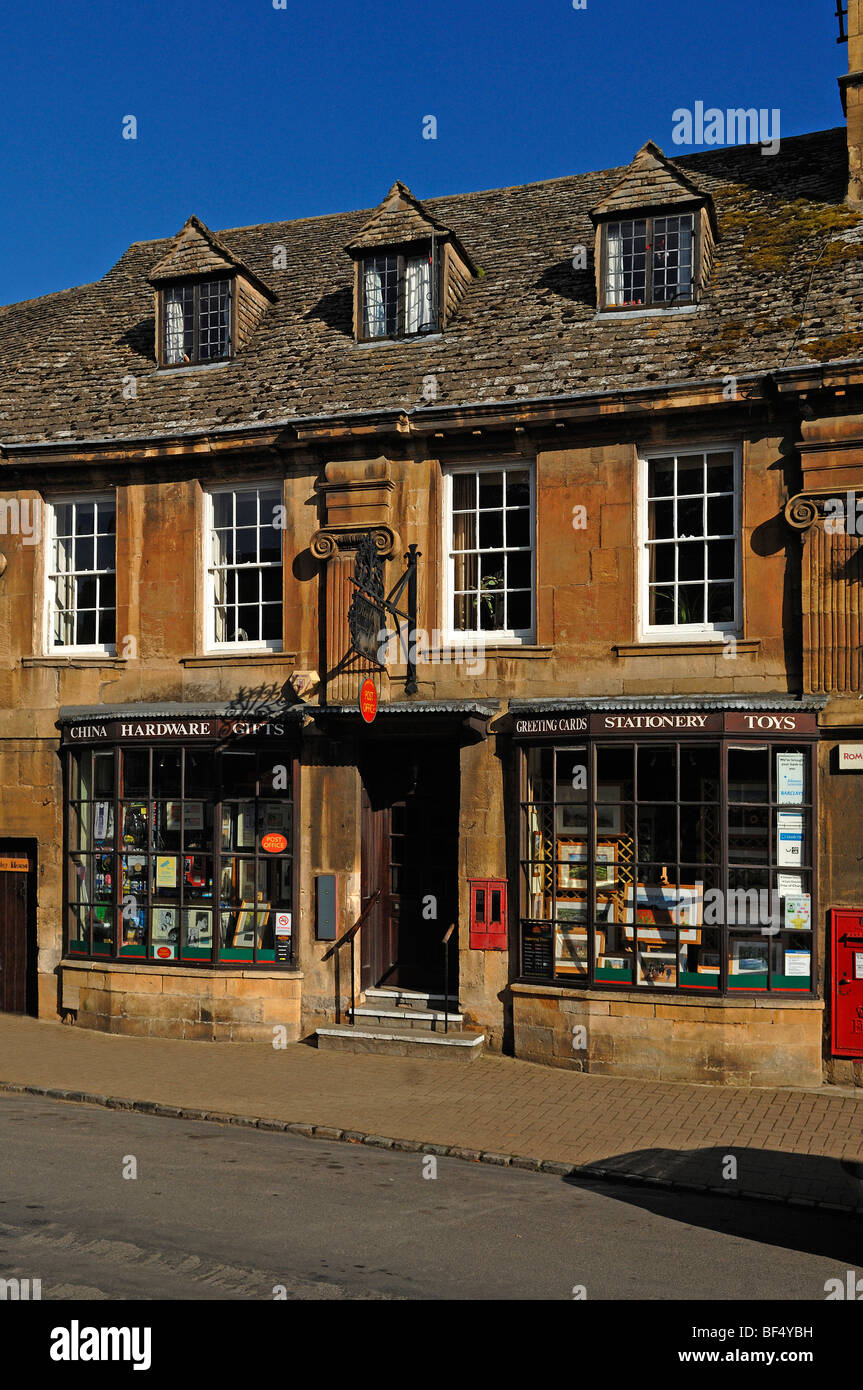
point(733, 1042)
point(203, 1005)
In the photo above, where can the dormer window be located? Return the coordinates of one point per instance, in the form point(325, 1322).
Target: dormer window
point(196, 322)
point(410, 271)
point(208, 302)
point(399, 294)
point(648, 261)
point(655, 237)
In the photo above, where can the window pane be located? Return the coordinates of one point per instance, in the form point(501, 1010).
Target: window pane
point(490, 490)
point(747, 773)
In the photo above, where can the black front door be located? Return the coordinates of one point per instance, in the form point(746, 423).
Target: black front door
point(17, 956)
point(409, 852)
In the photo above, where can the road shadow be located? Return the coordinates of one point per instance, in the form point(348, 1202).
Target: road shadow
point(761, 1174)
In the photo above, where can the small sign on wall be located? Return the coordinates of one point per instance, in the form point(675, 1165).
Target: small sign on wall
point(851, 757)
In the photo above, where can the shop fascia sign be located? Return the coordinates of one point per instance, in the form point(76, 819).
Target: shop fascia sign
point(663, 722)
point(129, 730)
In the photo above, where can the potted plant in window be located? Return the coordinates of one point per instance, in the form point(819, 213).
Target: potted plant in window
point(488, 585)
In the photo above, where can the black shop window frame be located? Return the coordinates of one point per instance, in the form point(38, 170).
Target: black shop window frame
point(582, 871)
point(102, 920)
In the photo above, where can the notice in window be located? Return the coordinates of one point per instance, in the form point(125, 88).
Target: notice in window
point(789, 837)
point(797, 962)
point(788, 883)
point(789, 778)
point(798, 912)
point(166, 871)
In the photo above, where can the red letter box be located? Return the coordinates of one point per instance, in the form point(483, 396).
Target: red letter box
point(487, 914)
point(846, 1028)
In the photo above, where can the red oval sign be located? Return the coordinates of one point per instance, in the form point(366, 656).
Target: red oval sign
point(368, 700)
point(274, 843)
point(164, 952)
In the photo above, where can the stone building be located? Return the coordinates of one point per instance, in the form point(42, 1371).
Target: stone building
point(600, 427)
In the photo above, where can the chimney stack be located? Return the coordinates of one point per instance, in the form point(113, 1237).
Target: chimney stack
point(851, 89)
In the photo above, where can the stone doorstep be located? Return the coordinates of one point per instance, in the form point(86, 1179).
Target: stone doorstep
point(408, 1016)
point(404, 1042)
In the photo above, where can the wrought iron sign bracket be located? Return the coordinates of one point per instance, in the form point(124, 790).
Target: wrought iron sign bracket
point(369, 607)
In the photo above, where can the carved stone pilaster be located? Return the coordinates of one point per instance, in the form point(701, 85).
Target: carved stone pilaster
point(334, 540)
point(831, 589)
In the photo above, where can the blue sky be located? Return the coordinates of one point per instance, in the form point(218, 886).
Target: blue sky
point(246, 113)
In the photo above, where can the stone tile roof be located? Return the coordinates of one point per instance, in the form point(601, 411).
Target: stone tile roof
point(650, 181)
point(400, 218)
point(527, 327)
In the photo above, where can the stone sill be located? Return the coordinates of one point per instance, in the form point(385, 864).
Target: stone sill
point(230, 969)
point(75, 661)
point(749, 647)
point(454, 654)
point(675, 997)
point(239, 659)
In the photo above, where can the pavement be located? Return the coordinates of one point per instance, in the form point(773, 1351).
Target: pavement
point(803, 1147)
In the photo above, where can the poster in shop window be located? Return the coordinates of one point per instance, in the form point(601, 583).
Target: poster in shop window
point(789, 837)
point(798, 912)
point(103, 820)
point(789, 778)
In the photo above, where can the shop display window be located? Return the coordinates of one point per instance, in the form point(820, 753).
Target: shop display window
point(668, 865)
point(178, 854)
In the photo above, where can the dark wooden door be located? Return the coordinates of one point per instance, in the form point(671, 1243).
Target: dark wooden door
point(410, 844)
point(14, 920)
point(379, 937)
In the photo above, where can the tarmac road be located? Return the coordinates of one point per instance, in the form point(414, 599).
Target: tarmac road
point(218, 1212)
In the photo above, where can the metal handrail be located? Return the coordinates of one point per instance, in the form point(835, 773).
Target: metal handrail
point(445, 944)
point(350, 935)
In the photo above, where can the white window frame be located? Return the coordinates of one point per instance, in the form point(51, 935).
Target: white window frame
point(688, 632)
point(209, 643)
point(49, 646)
point(497, 637)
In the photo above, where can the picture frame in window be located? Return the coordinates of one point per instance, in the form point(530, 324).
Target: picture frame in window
point(572, 865)
point(749, 957)
point(570, 952)
point(657, 967)
point(573, 912)
point(245, 931)
point(708, 963)
point(658, 906)
point(193, 815)
point(608, 816)
point(571, 816)
point(274, 815)
point(198, 924)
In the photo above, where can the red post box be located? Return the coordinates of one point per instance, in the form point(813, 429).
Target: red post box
point(846, 1027)
point(487, 914)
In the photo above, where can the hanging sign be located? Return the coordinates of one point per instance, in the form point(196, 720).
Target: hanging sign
point(368, 700)
point(274, 843)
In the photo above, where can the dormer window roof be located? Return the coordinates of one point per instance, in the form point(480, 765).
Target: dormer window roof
point(207, 300)
point(410, 270)
point(655, 234)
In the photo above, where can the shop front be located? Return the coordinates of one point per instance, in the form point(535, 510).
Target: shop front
point(180, 856)
point(668, 899)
